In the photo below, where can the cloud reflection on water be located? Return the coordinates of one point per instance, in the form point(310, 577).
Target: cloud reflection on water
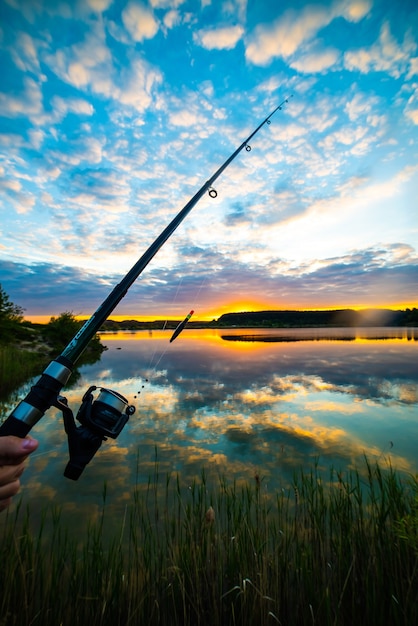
point(269, 408)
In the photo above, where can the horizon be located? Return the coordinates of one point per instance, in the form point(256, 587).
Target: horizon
point(113, 113)
point(44, 319)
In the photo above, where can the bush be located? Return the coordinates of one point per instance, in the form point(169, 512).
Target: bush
point(60, 330)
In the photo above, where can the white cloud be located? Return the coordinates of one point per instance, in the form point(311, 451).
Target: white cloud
point(184, 118)
point(294, 28)
point(345, 136)
point(413, 115)
point(286, 134)
point(386, 55)
point(240, 6)
point(22, 201)
point(139, 21)
point(355, 11)
point(88, 66)
point(319, 121)
point(360, 105)
point(316, 62)
point(71, 105)
point(52, 173)
point(24, 53)
point(98, 5)
point(166, 4)
point(138, 83)
point(224, 38)
point(30, 10)
point(12, 185)
point(93, 150)
point(87, 150)
point(286, 35)
point(36, 138)
point(171, 19)
point(93, 51)
point(207, 88)
point(78, 75)
point(29, 103)
point(11, 141)
point(270, 85)
point(413, 68)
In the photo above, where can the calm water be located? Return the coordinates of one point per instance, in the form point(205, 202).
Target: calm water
point(238, 403)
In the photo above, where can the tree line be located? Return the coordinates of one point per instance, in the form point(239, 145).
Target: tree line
point(330, 318)
point(54, 335)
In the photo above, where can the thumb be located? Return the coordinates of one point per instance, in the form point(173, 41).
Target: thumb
point(28, 444)
point(14, 448)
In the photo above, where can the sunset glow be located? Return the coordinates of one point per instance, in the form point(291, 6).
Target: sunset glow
point(215, 314)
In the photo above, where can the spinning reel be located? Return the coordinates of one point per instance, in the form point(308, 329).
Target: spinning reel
point(100, 418)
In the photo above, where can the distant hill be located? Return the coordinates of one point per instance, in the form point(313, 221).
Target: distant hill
point(333, 318)
point(284, 319)
point(112, 325)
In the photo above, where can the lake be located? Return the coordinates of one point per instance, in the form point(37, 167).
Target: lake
point(237, 403)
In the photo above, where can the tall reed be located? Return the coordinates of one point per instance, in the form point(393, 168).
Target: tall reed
point(16, 366)
point(340, 551)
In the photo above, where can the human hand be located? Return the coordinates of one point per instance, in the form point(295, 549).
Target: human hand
point(13, 454)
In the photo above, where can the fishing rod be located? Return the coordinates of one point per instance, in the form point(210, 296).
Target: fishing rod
point(106, 415)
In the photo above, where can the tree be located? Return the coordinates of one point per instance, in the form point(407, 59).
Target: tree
point(11, 318)
point(60, 330)
point(9, 311)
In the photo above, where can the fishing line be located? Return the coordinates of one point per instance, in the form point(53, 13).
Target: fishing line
point(204, 281)
point(153, 368)
point(163, 353)
point(174, 300)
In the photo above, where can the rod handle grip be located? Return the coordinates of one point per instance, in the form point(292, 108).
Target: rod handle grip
point(13, 426)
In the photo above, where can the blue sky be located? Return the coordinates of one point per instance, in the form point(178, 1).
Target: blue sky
point(113, 114)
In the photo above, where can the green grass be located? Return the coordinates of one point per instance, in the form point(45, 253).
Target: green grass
point(16, 366)
point(337, 552)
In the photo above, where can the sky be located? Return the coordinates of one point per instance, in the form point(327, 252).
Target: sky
point(113, 114)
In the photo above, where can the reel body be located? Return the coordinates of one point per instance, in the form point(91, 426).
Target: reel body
point(107, 414)
point(101, 417)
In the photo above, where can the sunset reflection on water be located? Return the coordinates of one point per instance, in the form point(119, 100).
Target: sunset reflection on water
point(238, 403)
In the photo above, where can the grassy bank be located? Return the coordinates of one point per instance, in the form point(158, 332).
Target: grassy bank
point(25, 351)
point(18, 365)
point(340, 553)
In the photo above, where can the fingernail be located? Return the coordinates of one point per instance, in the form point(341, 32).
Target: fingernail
point(29, 444)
